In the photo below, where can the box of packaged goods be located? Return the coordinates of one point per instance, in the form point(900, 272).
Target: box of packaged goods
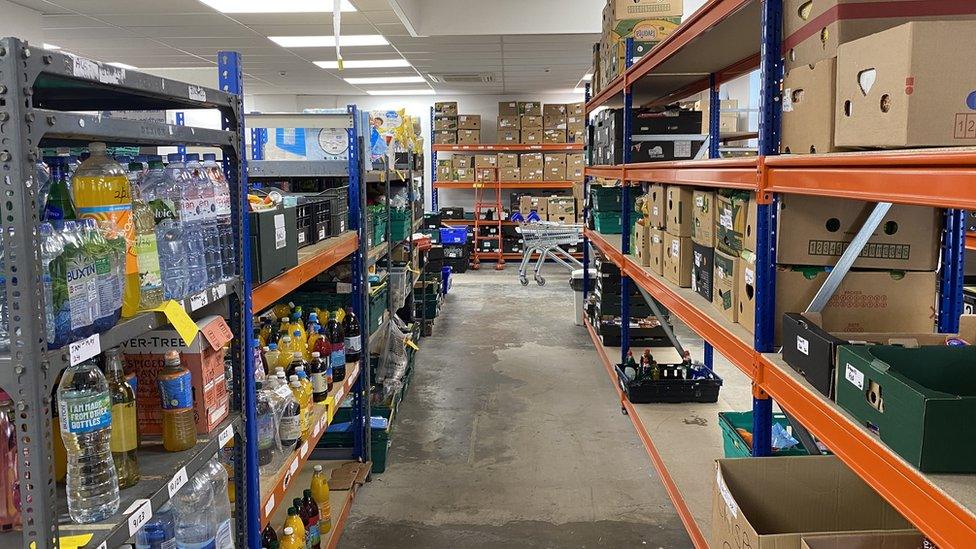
point(554, 117)
point(575, 166)
point(873, 540)
point(507, 160)
point(445, 169)
point(901, 87)
point(735, 218)
point(508, 108)
point(532, 167)
point(677, 260)
point(641, 9)
point(702, 265)
point(508, 123)
point(679, 208)
point(205, 390)
point(727, 121)
point(509, 174)
point(485, 161)
point(576, 134)
point(809, 95)
point(703, 224)
point(554, 136)
point(463, 161)
point(469, 121)
point(562, 209)
point(920, 401)
point(532, 137)
point(597, 81)
point(469, 137)
point(464, 175)
point(485, 174)
point(530, 108)
point(725, 285)
point(446, 123)
point(663, 150)
point(555, 166)
point(655, 251)
point(813, 31)
point(446, 108)
point(537, 204)
point(641, 243)
point(657, 206)
point(445, 137)
point(509, 137)
point(530, 122)
point(817, 230)
point(774, 503)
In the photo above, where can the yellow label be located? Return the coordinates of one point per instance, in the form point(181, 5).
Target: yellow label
point(412, 345)
point(181, 321)
point(124, 437)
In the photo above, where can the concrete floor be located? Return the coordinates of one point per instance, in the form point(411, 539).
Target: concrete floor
point(510, 436)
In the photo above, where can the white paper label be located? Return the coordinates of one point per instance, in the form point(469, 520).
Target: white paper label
point(700, 201)
point(655, 210)
point(225, 436)
point(269, 507)
point(304, 449)
point(725, 218)
point(322, 233)
point(197, 93)
point(199, 300)
point(140, 516)
point(802, 345)
point(726, 495)
point(177, 482)
point(301, 237)
point(280, 232)
point(343, 288)
point(283, 391)
point(675, 248)
point(682, 149)
point(81, 351)
point(102, 545)
point(750, 276)
point(219, 291)
point(855, 376)
point(293, 467)
point(788, 100)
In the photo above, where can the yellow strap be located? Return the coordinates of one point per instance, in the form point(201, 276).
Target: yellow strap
point(177, 316)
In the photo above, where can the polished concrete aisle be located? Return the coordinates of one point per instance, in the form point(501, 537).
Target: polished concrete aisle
point(510, 436)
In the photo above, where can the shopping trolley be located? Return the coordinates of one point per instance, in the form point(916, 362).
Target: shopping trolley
point(545, 238)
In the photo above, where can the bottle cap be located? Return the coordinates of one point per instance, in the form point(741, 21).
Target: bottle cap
point(317, 468)
point(171, 357)
point(96, 147)
point(286, 338)
point(293, 377)
point(296, 356)
point(307, 492)
point(288, 529)
point(299, 368)
point(273, 346)
point(294, 383)
point(297, 333)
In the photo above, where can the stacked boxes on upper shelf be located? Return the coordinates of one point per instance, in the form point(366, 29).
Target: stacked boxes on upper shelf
point(446, 123)
point(656, 135)
point(532, 123)
point(648, 22)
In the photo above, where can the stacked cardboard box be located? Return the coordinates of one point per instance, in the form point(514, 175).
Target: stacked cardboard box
point(446, 123)
point(648, 126)
point(512, 167)
point(648, 22)
point(561, 209)
point(576, 123)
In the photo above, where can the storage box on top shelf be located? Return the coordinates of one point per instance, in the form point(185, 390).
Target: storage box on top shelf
point(509, 137)
point(449, 123)
point(679, 209)
point(530, 108)
point(203, 357)
point(920, 401)
point(554, 136)
point(555, 166)
point(508, 108)
point(445, 137)
point(702, 267)
point(703, 225)
point(767, 503)
point(725, 285)
point(678, 259)
point(530, 122)
point(446, 108)
point(532, 137)
point(736, 216)
point(469, 121)
point(903, 87)
point(809, 97)
point(874, 540)
point(508, 123)
point(813, 31)
point(469, 137)
point(817, 230)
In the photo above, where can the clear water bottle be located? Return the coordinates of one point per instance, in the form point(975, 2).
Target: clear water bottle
point(196, 524)
point(160, 531)
point(223, 200)
point(157, 191)
point(219, 480)
point(43, 177)
point(85, 412)
point(208, 218)
point(56, 313)
point(109, 271)
point(81, 281)
point(183, 192)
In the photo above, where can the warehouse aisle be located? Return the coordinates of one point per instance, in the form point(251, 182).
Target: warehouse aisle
point(509, 436)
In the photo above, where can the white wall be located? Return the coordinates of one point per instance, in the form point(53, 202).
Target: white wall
point(21, 22)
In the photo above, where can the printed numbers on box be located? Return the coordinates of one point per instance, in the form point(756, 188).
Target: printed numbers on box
point(198, 300)
point(855, 376)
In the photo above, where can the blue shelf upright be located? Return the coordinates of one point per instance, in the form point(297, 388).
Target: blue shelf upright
point(433, 166)
point(586, 202)
point(625, 212)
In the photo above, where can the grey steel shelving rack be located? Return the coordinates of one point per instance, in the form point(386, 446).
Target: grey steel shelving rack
point(38, 89)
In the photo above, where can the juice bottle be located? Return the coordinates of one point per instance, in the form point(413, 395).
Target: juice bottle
point(353, 334)
point(313, 319)
point(304, 406)
point(299, 345)
point(290, 540)
point(101, 192)
point(271, 358)
point(265, 332)
point(294, 521)
point(176, 395)
point(147, 254)
point(313, 336)
point(269, 536)
point(320, 493)
point(322, 345)
point(287, 350)
point(297, 326)
point(290, 418)
point(320, 386)
point(124, 440)
point(296, 360)
point(306, 392)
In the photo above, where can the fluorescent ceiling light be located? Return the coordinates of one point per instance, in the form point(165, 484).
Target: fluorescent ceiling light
point(276, 6)
point(364, 64)
point(50, 46)
point(123, 66)
point(427, 91)
point(387, 80)
point(329, 41)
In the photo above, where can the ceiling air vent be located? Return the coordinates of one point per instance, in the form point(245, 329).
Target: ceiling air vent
point(463, 78)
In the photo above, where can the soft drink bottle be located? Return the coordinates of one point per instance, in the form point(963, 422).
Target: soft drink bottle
point(146, 248)
point(176, 396)
point(320, 386)
point(304, 406)
point(9, 460)
point(320, 493)
point(310, 513)
point(322, 345)
point(160, 531)
point(207, 210)
point(222, 202)
point(353, 336)
point(297, 359)
point(271, 358)
point(297, 325)
point(295, 523)
point(296, 504)
point(307, 390)
point(59, 204)
point(337, 354)
point(125, 439)
point(217, 475)
point(161, 190)
point(269, 536)
point(196, 519)
point(85, 411)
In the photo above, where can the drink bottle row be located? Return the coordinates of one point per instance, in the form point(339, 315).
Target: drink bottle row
point(119, 239)
point(309, 518)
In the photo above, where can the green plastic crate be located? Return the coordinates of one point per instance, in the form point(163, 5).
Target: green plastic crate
point(399, 225)
point(379, 445)
point(736, 447)
point(609, 222)
point(377, 306)
point(606, 199)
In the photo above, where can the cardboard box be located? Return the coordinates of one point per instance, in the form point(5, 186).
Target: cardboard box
point(485, 161)
point(530, 108)
point(677, 260)
point(703, 210)
point(554, 109)
point(735, 222)
point(469, 121)
point(575, 166)
point(772, 503)
point(445, 137)
point(555, 166)
point(509, 174)
point(809, 96)
point(554, 136)
point(876, 540)
point(678, 207)
point(445, 169)
point(576, 134)
point(530, 122)
point(866, 301)
point(532, 137)
point(576, 109)
point(538, 204)
point(813, 31)
point(640, 245)
point(508, 108)
point(446, 108)
point(903, 87)
point(485, 174)
point(508, 123)
point(702, 265)
point(531, 173)
point(446, 123)
point(578, 194)
point(462, 161)
point(728, 122)
point(509, 137)
point(562, 209)
point(817, 230)
point(657, 206)
point(469, 137)
point(203, 357)
point(655, 251)
point(464, 175)
point(554, 122)
point(643, 9)
point(725, 285)
point(532, 160)
point(506, 160)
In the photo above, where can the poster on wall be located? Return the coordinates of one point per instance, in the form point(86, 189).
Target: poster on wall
point(307, 144)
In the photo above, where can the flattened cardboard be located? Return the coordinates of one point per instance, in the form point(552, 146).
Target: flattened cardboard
point(703, 228)
point(809, 96)
point(725, 285)
point(677, 260)
point(657, 206)
point(655, 250)
point(816, 230)
point(679, 205)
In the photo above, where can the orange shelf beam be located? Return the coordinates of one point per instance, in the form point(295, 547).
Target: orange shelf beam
point(609, 172)
point(312, 261)
point(490, 148)
point(971, 241)
point(735, 173)
point(505, 184)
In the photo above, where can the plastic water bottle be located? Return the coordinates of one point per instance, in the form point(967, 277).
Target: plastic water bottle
point(223, 200)
point(109, 265)
point(184, 192)
point(56, 311)
point(85, 412)
point(217, 475)
point(160, 531)
point(158, 188)
point(207, 208)
point(81, 281)
point(196, 523)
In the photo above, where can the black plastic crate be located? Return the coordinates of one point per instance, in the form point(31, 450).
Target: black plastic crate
point(338, 223)
point(670, 388)
point(452, 213)
point(458, 265)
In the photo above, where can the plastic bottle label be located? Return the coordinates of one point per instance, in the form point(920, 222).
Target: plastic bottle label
point(163, 209)
point(354, 344)
point(176, 391)
point(337, 358)
point(82, 293)
point(289, 428)
point(266, 431)
point(108, 301)
point(124, 438)
point(225, 539)
point(313, 536)
point(191, 209)
point(319, 383)
point(147, 257)
point(222, 203)
point(209, 544)
point(85, 414)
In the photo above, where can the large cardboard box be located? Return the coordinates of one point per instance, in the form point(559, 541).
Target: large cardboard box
point(508, 123)
point(532, 137)
point(904, 88)
point(735, 223)
point(446, 123)
point(554, 122)
point(469, 137)
point(655, 251)
point(446, 108)
point(876, 540)
point(445, 137)
point(555, 166)
point(576, 133)
point(507, 160)
point(809, 95)
point(562, 209)
point(509, 174)
point(485, 174)
point(530, 108)
point(445, 169)
point(530, 122)
point(817, 230)
point(538, 204)
point(575, 166)
point(679, 205)
point(485, 161)
point(554, 136)
point(509, 137)
point(463, 161)
point(508, 108)
point(814, 30)
point(703, 229)
point(203, 357)
point(641, 243)
point(464, 175)
point(643, 9)
point(469, 121)
point(773, 503)
point(725, 285)
point(677, 260)
point(657, 206)
point(578, 194)
point(532, 167)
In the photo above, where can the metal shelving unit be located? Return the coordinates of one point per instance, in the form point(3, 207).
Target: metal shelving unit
point(37, 87)
point(723, 40)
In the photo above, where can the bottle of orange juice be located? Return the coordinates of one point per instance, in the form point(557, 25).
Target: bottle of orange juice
point(290, 539)
point(320, 493)
point(294, 522)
